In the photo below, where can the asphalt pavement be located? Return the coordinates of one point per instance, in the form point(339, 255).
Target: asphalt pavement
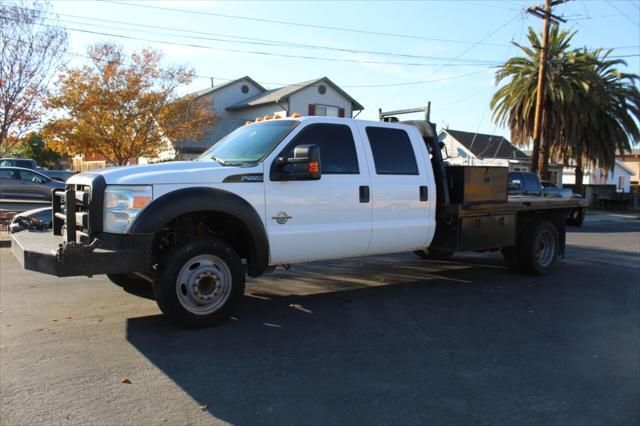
point(389, 340)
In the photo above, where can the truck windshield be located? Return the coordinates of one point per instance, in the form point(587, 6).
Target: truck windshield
point(249, 143)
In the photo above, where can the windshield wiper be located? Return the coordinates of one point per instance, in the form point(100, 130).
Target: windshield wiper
point(219, 160)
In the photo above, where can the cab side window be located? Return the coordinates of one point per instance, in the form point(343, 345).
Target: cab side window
point(392, 151)
point(337, 148)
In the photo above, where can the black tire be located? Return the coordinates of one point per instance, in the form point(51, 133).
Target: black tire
point(538, 248)
point(576, 218)
point(434, 254)
point(212, 264)
point(128, 280)
point(511, 258)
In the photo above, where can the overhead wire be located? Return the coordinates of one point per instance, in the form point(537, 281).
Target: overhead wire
point(298, 24)
point(263, 53)
point(459, 55)
point(240, 39)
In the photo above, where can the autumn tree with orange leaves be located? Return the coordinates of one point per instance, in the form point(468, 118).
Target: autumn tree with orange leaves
point(124, 108)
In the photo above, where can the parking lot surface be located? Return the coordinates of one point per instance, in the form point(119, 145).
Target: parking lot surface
point(393, 340)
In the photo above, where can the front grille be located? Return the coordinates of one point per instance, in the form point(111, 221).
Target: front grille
point(77, 209)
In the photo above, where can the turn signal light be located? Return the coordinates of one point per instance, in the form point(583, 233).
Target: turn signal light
point(267, 117)
point(140, 201)
point(296, 115)
point(314, 167)
point(248, 122)
point(258, 119)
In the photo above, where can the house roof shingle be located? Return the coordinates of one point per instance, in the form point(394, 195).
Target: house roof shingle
point(208, 90)
point(487, 146)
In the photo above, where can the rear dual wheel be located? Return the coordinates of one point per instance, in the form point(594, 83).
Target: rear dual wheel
point(433, 254)
point(537, 249)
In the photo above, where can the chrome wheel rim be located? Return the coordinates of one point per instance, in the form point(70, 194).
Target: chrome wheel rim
point(204, 284)
point(546, 250)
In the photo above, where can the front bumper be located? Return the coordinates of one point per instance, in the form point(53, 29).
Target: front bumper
point(108, 253)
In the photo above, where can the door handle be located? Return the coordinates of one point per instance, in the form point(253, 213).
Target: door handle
point(424, 193)
point(364, 194)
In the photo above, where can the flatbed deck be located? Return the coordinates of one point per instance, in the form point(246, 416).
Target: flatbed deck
point(516, 204)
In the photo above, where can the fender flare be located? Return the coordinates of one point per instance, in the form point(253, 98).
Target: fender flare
point(190, 200)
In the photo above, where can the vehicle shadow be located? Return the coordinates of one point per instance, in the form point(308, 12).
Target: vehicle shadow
point(613, 226)
point(360, 342)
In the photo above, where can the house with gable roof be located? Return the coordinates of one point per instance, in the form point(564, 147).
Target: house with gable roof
point(245, 99)
point(472, 148)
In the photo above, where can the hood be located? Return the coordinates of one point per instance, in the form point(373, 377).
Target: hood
point(174, 172)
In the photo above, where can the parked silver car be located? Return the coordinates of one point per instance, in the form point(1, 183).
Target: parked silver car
point(21, 184)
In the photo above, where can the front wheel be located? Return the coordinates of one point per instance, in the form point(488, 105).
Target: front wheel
point(200, 283)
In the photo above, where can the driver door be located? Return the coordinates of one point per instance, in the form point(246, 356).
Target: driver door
point(326, 218)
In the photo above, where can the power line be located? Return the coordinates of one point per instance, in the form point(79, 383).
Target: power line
point(208, 77)
point(297, 24)
point(246, 40)
point(462, 53)
point(263, 53)
point(626, 16)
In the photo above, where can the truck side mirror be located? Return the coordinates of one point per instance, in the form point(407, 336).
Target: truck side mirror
point(304, 165)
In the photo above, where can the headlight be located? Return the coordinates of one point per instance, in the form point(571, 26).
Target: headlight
point(122, 203)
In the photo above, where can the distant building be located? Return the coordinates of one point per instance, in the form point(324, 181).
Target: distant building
point(621, 176)
point(244, 99)
point(492, 150)
point(631, 160)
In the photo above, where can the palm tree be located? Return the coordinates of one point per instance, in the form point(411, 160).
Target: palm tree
point(604, 117)
point(514, 103)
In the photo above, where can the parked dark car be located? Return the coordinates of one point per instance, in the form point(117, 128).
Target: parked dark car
point(523, 183)
point(21, 184)
point(26, 163)
point(59, 175)
point(550, 189)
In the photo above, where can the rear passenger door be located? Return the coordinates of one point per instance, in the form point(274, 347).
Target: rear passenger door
point(403, 215)
point(326, 218)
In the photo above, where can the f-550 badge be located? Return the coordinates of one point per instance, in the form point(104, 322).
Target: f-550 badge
point(281, 218)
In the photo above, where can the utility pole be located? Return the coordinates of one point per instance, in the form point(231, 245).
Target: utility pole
point(543, 12)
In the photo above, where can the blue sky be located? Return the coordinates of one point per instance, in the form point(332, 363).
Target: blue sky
point(479, 33)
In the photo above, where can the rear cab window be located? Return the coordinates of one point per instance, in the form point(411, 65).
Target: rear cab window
point(392, 151)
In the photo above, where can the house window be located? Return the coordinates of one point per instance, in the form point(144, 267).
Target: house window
point(322, 89)
point(244, 88)
point(326, 110)
point(620, 186)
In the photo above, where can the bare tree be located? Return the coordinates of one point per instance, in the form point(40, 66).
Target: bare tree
point(32, 47)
